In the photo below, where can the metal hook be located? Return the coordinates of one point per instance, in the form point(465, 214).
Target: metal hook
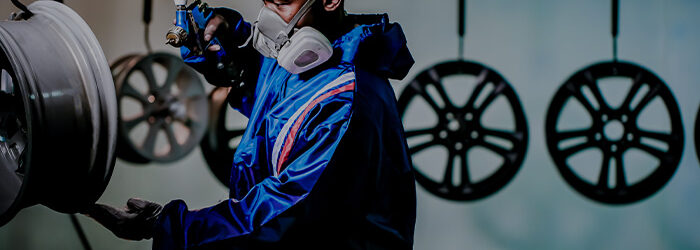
point(615, 25)
point(147, 13)
point(462, 27)
point(27, 14)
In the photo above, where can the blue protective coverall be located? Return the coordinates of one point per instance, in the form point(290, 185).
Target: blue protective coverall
point(323, 163)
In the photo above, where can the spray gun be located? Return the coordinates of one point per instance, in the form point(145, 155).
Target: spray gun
point(188, 31)
point(177, 35)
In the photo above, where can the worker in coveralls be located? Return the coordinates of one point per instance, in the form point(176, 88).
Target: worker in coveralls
point(323, 163)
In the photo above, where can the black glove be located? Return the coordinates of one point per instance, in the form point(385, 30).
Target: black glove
point(135, 222)
point(238, 65)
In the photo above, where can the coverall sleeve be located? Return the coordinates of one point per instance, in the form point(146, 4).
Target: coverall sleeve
point(241, 64)
point(318, 136)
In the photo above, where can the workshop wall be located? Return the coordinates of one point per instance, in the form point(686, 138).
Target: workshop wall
point(535, 44)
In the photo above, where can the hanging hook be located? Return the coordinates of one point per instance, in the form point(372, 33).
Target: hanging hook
point(147, 12)
point(27, 14)
point(462, 27)
point(615, 26)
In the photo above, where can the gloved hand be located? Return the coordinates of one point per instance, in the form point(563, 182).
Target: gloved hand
point(219, 68)
point(135, 222)
point(216, 23)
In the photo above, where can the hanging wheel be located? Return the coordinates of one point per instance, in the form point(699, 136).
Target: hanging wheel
point(697, 134)
point(222, 137)
point(124, 150)
point(58, 113)
point(162, 108)
point(460, 129)
point(584, 88)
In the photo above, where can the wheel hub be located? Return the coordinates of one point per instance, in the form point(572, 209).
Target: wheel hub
point(167, 106)
point(614, 130)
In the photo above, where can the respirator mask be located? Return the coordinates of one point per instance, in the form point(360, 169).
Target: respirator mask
point(296, 50)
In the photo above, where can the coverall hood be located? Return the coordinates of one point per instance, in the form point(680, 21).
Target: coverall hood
point(376, 46)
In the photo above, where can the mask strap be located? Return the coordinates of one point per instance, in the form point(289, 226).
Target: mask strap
point(302, 12)
point(250, 37)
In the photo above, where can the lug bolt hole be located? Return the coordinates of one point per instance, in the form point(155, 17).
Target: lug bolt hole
point(468, 116)
point(443, 134)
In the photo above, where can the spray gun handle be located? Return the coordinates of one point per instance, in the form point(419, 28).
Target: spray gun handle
point(199, 16)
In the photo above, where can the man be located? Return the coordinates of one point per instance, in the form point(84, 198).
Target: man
point(323, 162)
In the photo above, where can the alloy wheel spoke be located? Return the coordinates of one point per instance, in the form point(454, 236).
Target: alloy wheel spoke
point(604, 174)
point(505, 153)
point(497, 90)
point(464, 171)
point(437, 83)
point(595, 90)
point(174, 68)
point(480, 85)
point(423, 146)
point(667, 138)
point(636, 86)
point(131, 124)
point(449, 170)
point(566, 153)
point(419, 132)
point(513, 137)
point(172, 139)
point(653, 92)
point(578, 94)
point(570, 134)
point(149, 144)
point(147, 70)
point(128, 90)
point(620, 176)
point(650, 150)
